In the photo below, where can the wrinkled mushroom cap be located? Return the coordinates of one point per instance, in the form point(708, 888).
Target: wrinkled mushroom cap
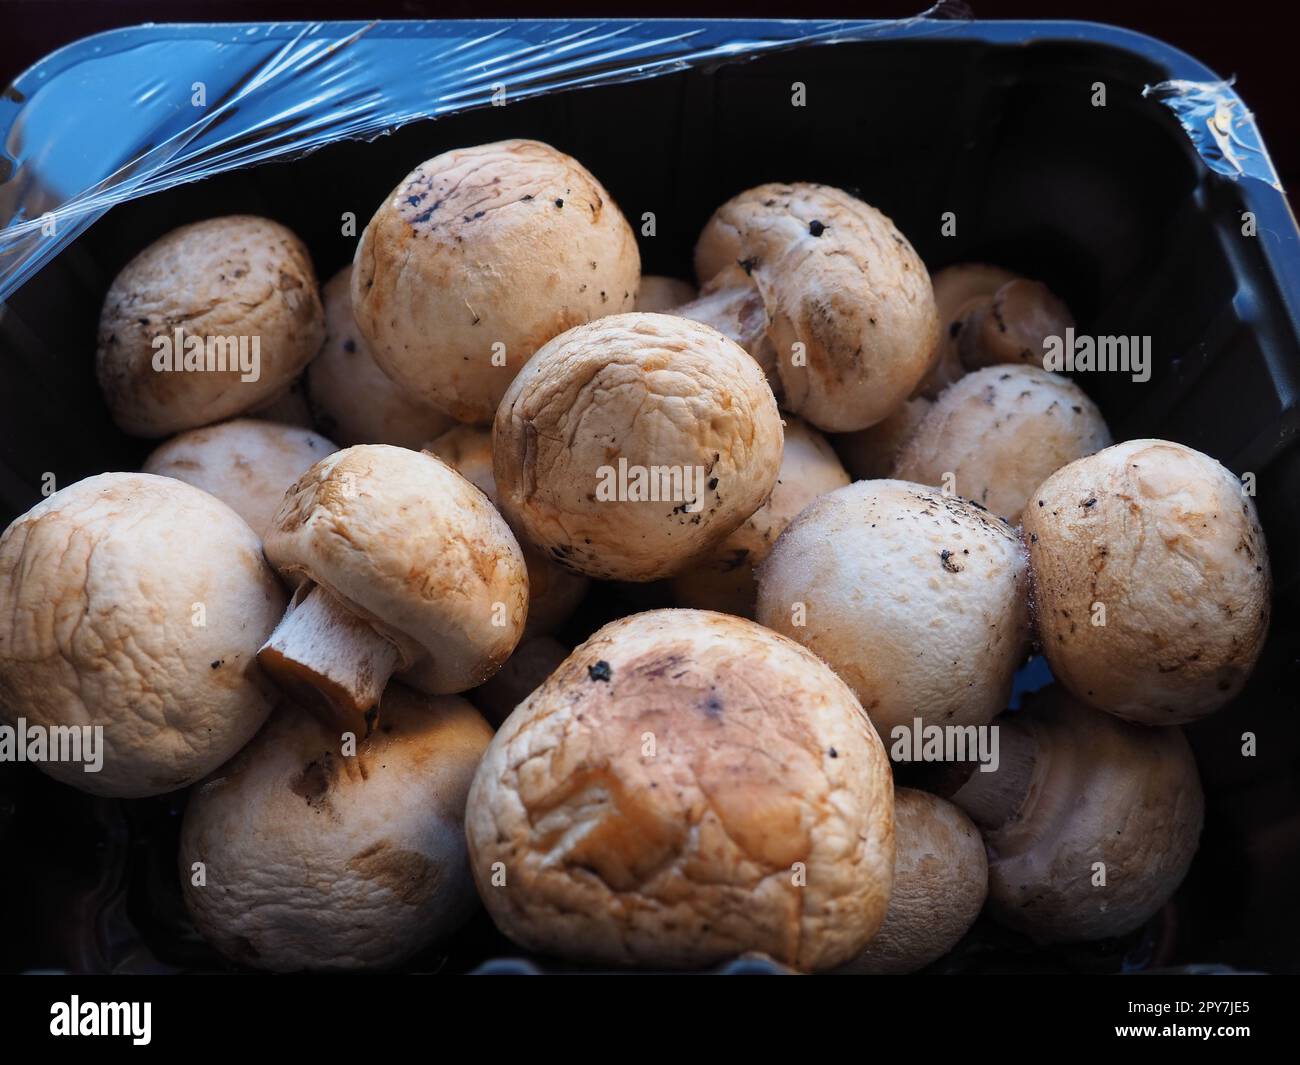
point(136, 603)
point(660, 392)
point(837, 277)
point(247, 464)
point(1102, 791)
point(1001, 432)
point(870, 454)
point(662, 293)
point(685, 787)
point(316, 859)
point(941, 879)
point(1168, 542)
point(355, 401)
point(724, 581)
point(233, 277)
point(553, 591)
point(507, 244)
point(917, 599)
point(413, 548)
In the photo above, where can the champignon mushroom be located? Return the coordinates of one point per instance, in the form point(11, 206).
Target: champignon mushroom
point(245, 463)
point(1012, 326)
point(731, 303)
point(848, 308)
point(553, 591)
point(524, 671)
point(917, 599)
point(478, 258)
point(1151, 581)
point(662, 293)
point(870, 454)
point(724, 581)
point(210, 321)
point(304, 853)
point(959, 290)
point(998, 433)
point(291, 408)
point(685, 787)
point(136, 604)
point(630, 446)
point(355, 401)
point(1091, 823)
point(399, 563)
point(941, 879)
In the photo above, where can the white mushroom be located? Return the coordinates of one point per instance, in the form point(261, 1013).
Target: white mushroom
point(917, 599)
point(959, 291)
point(687, 786)
point(399, 564)
point(533, 661)
point(1151, 581)
point(247, 464)
point(136, 604)
point(478, 258)
point(302, 854)
point(212, 320)
point(998, 433)
point(355, 401)
point(632, 445)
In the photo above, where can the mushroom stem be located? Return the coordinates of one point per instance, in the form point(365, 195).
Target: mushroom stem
point(733, 306)
point(993, 799)
point(323, 651)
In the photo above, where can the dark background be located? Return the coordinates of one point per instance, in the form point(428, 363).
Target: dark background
point(1250, 38)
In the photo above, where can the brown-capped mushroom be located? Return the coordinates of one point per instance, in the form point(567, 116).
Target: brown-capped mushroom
point(1151, 581)
point(959, 290)
point(685, 787)
point(1013, 325)
point(1091, 823)
point(533, 661)
point(210, 321)
point(724, 581)
point(630, 446)
point(662, 293)
point(917, 599)
point(399, 563)
point(553, 591)
point(870, 454)
point(306, 853)
point(848, 308)
point(247, 464)
point(354, 400)
point(998, 433)
point(941, 879)
point(136, 603)
point(478, 258)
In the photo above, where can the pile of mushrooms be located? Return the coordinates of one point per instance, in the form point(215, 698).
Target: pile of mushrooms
point(382, 654)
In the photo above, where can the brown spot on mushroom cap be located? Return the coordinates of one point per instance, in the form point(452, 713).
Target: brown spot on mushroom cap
point(686, 855)
point(1173, 549)
point(432, 293)
point(234, 277)
point(365, 873)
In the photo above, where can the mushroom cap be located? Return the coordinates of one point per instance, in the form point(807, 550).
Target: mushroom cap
point(724, 581)
point(958, 290)
point(662, 293)
point(658, 393)
point(234, 277)
point(1102, 791)
point(136, 603)
point(508, 244)
point(288, 408)
point(837, 277)
point(1013, 326)
point(247, 464)
point(413, 548)
point(941, 879)
point(685, 787)
point(553, 591)
point(917, 599)
point(870, 454)
point(1168, 542)
point(1000, 432)
point(354, 400)
point(534, 660)
point(319, 860)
